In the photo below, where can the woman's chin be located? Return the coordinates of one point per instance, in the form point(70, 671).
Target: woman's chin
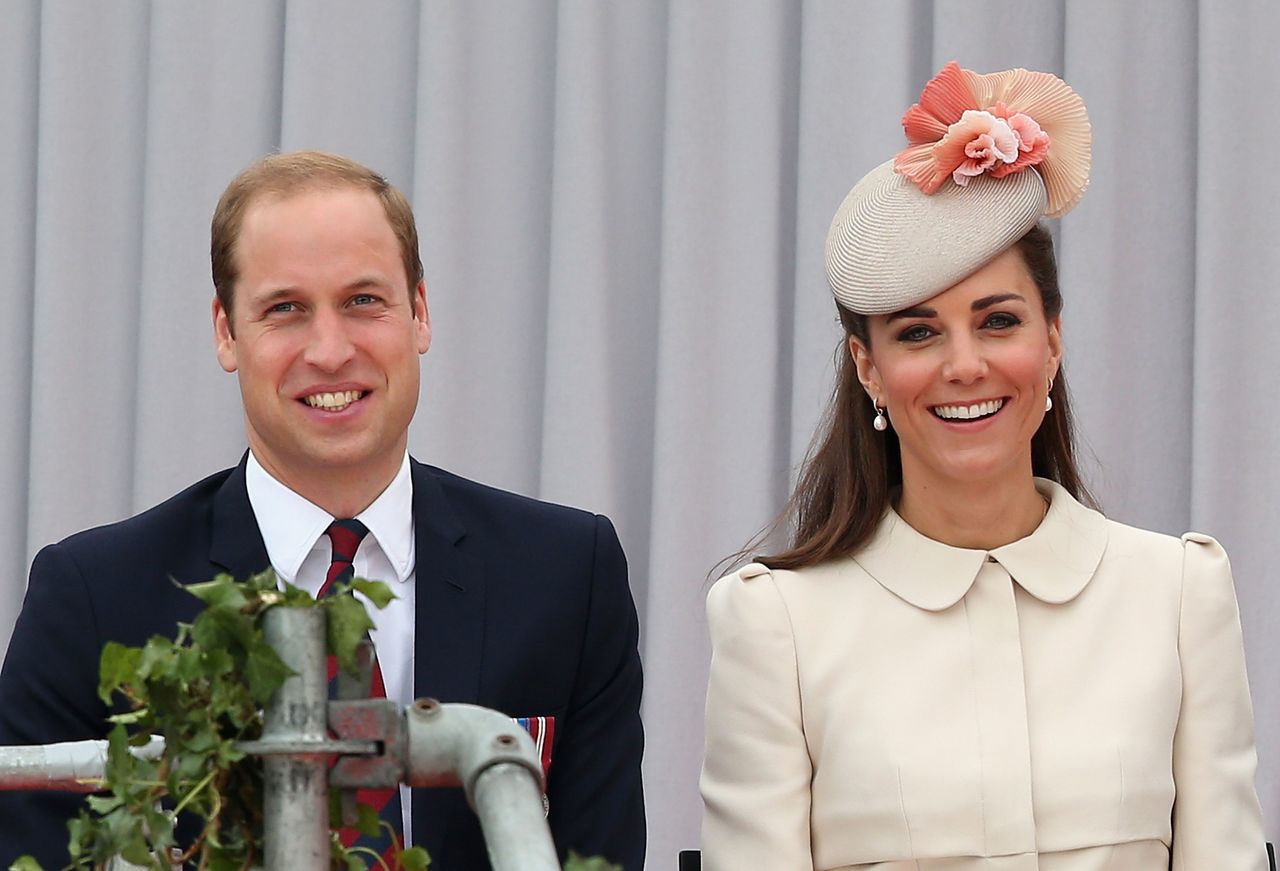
point(978, 465)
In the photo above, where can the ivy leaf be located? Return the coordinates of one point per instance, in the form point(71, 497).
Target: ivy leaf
point(224, 860)
point(117, 666)
point(137, 853)
point(25, 863)
point(156, 660)
point(375, 591)
point(104, 804)
point(296, 597)
point(347, 622)
point(595, 863)
point(120, 761)
point(221, 627)
point(264, 670)
point(216, 663)
point(367, 820)
point(130, 718)
point(222, 592)
point(414, 859)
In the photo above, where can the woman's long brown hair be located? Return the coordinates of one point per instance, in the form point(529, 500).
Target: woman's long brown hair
point(845, 483)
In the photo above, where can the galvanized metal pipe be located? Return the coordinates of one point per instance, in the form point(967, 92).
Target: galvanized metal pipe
point(296, 800)
point(509, 804)
point(497, 764)
point(73, 766)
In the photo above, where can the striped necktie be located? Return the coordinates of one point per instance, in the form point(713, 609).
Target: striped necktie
point(346, 536)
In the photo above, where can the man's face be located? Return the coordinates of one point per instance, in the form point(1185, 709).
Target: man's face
point(325, 335)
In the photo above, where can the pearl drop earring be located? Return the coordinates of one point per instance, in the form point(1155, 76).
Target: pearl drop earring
point(880, 423)
point(1048, 400)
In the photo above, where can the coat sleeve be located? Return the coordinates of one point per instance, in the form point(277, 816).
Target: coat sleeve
point(596, 797)
point(757, 769)
point(1217, 822)
point(48, 693)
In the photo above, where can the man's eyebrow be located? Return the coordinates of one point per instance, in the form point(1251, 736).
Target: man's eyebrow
point(916, 311)
point(272, 296)
point(361, 283)
point(988, 301)
point(367, 281)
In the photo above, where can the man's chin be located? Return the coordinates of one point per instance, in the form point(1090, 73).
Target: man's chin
point(327, 457)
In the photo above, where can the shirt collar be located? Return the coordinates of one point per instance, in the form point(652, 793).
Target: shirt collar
point(291, 525)
point(1054, 563)
point(390, 521)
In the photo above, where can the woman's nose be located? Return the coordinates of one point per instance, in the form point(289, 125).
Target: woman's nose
point(965, 361)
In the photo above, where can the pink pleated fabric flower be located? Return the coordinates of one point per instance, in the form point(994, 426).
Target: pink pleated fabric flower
point(977, 143)
point(967, 124)
point(1033, 142)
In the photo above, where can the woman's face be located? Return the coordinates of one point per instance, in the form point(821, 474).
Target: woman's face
point(964, 375)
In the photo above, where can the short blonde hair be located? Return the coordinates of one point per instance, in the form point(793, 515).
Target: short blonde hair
point(291, 173)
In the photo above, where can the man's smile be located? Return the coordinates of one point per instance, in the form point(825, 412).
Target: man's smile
point(334, 401)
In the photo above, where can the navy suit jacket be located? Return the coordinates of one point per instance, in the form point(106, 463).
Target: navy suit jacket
point(522, 606)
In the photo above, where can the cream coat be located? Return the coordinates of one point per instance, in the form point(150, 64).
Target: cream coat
point(1073, 701)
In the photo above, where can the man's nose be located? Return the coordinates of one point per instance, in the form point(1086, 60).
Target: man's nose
point(329, 345)
point(965, 361)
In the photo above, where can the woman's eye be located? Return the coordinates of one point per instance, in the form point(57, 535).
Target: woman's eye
point(915, 333)
point(1002, 321)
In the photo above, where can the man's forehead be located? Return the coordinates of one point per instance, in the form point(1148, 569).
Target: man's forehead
point(316, 217)
point(319, 195)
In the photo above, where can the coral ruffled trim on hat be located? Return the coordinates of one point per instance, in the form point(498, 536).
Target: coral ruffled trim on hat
point(1047, 116)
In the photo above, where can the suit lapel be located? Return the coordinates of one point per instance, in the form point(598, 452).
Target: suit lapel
point(450, 593)
point(448, 639)
point(235, 543)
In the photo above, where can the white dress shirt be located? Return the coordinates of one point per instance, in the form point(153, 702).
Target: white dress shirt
point(293, 530)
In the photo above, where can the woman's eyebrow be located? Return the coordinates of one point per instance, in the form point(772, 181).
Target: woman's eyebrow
point(988, 301)
point(917, 311)
point(920, 311)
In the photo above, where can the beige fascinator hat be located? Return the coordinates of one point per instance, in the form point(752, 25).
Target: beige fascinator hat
point(989, 156)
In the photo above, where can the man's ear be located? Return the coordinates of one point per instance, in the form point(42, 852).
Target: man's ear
point(422, 317)
point(223, 340)
point(867, 372)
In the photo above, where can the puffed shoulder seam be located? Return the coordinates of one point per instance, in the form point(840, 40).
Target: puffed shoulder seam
point(1206, 571)
point(1203, 556)
point(753, 570)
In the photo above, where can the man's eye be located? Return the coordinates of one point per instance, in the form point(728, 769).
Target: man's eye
point(282, 307)
point(915, 333)
point(363, 299)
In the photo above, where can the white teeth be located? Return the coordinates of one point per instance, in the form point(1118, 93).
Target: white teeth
point(968, 412)
point(332, 401)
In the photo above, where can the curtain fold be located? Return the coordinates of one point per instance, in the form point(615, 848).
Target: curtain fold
point(622, 208)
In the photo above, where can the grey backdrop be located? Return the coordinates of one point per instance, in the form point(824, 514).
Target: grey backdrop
point(622, 207)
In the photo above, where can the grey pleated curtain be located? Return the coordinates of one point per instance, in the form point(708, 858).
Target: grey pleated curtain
point(622, 208)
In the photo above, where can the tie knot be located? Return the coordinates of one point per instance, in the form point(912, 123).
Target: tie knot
point(346, 536)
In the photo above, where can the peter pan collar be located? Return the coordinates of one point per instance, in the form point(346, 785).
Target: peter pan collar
point(1054, 563)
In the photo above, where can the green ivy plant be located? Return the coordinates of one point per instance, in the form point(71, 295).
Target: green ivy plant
point(204, 691)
